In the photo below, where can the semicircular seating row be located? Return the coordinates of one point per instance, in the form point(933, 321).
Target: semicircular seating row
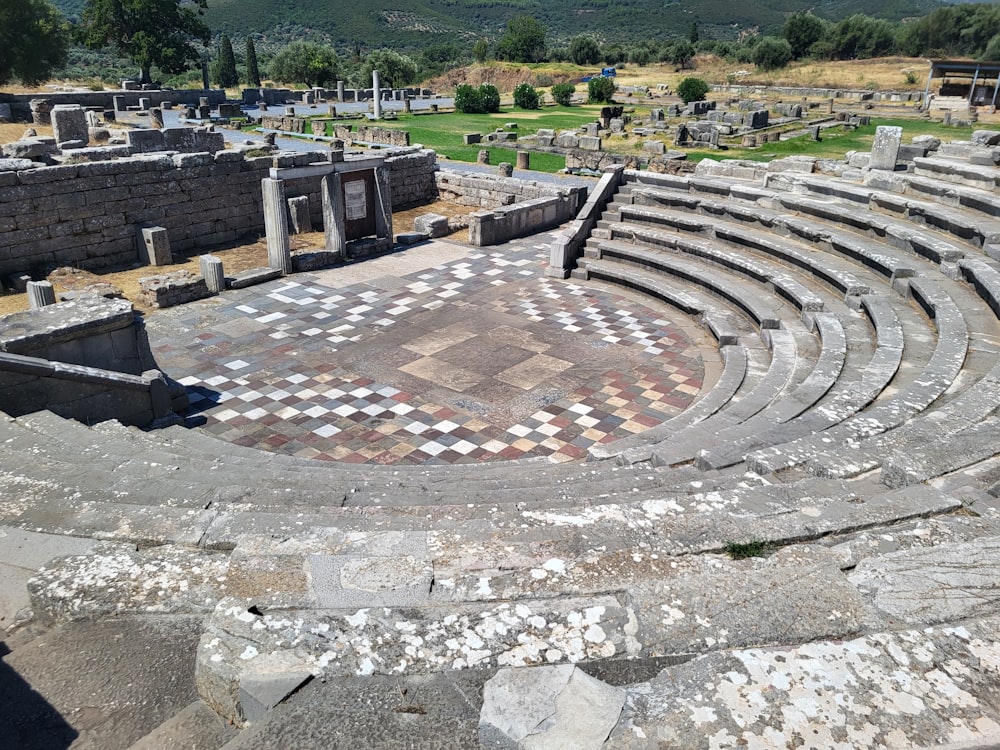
point(853, 317)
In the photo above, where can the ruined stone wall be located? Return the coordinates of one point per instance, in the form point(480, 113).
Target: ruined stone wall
point(20, 103)
point(412, 178)
point(87, 215)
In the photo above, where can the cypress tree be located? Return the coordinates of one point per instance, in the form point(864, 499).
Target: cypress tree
point(225, 73)
point(253, 72)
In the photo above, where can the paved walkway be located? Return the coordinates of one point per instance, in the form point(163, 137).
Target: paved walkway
point(439, 353)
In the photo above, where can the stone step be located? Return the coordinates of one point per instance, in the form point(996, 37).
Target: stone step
point(957, 171)
point(551, 588)
point(938, 375)
point(783, 283)
point(798, 411)
point(810, 231)
point(636, 448)
point(942, 455)
point(983, 205)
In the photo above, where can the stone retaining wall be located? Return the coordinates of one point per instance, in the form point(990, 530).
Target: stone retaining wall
point(87, 215)
point(517, 207)
point(80, 359)
point(105, 99)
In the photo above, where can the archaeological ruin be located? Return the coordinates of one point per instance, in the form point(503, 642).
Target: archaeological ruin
point(683, 456)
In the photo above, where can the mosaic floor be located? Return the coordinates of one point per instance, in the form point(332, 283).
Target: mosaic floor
point(478, 358)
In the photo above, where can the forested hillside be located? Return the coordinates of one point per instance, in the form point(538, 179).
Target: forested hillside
point(416, 24)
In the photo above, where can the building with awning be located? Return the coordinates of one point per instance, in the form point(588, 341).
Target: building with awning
point(977, 82)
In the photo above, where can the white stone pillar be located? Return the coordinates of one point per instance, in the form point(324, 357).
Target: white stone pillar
point(377, 94)
point(276, 225)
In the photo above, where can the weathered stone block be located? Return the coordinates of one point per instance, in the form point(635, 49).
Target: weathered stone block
point(154, 246)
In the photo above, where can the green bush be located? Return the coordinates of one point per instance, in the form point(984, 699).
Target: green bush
point(692, 90)
point(563, 93)
point(490, 97)
point(600, 90)
point(526, 97)
point(468, 100)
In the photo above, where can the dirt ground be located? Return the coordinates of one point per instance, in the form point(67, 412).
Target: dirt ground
point(235, 259)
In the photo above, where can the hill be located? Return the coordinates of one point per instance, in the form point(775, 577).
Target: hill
point(416, 24)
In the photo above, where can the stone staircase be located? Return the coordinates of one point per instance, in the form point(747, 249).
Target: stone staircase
point(851, 436)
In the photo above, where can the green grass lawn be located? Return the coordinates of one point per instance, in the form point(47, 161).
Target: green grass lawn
point(835, 142)
point(443, 132)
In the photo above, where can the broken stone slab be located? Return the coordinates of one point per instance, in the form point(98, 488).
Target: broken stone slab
point(430, 711)
point(885, 147)
point(928, 586)
point(434, 225)
point(242, 641)
point(908, 689)
point(548, 707)
point(30, 148)
point(14, 165)
point(986, 137)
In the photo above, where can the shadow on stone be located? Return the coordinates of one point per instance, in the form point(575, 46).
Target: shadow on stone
point(27, 720)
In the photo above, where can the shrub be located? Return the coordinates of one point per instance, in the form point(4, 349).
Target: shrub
point(563, 93)
point(600, 89)
point(490, 97)
point(468, 100)
point(526, 97)
point(692, 90)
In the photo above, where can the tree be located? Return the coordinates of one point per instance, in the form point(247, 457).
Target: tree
point(562, 93)
point(34, 40)
point(525, 96)
point(583, 50)
point(394, 70)
point(481, 51)
point(692, 90)
point(679, 53)
point(523, 41)
point(600, 90)
point(772, 53)
point(693, 35)
point(225, 66)
point(149, 32)
point(304, 62)
point(802, 30)
point(253, 72)
point(861, 36)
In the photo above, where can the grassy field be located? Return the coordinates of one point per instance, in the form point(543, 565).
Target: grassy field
point(443, 132)
point(835, 142)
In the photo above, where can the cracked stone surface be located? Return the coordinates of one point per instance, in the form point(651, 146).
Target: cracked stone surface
point(913, 688)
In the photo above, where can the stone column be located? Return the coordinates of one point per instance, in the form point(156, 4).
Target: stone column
point(383, 213)
point(332, 191)
point(376, 95)
point(40, 294)
point(523, 160)
point(340, 91)
point(211, 269)
point(276, 225)
point(483, 157)
point(298, 209)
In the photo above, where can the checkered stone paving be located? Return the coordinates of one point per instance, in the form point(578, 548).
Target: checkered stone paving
point(476, 359)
